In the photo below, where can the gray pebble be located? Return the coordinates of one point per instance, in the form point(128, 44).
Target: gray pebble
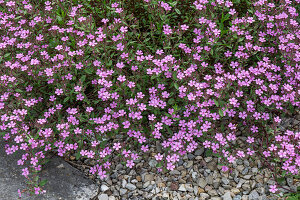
point(153, 163)
point(130, 186)
point(104, 188)
point(253, 195)
point(122, 191)
point(227, 196)
point(199, 152)
point(103, 197)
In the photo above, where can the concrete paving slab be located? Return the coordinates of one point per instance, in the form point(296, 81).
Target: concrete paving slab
point(64, 182)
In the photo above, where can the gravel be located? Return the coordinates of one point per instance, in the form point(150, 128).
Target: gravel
point(195, 177)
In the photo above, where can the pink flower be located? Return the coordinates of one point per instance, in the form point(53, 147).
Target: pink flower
point(144, 148)
point(273, 188)
point(158, 156)
point(170, 166)
point(101, 174)
point(130, 163)
point(231, 159)
point(225, 168)
point(117, 146)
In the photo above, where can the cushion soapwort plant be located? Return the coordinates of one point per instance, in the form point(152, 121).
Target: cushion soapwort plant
point(102, 78)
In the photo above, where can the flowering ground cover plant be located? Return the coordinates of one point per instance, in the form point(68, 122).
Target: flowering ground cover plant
point(77, 74)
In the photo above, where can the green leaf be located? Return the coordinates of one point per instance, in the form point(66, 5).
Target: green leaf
point(171, 101)
point(208, 153)
point(83, 78)
point(221, 112)
point(177, 11)
point(66, 99)
point(77, 155)
point(281, 180)
point(89, 70)
point(173, 3)
point(43, 182)
point(216, 102)
point(176, 86)
point(6, 55)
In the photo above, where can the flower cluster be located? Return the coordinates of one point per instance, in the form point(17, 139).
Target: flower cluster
point(71, 82)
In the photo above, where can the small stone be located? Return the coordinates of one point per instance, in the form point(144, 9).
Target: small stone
point(130, 186)
point(174, 172)
point(290, 182)
point(161, 185)
point(157, 190)
point(104, 188)
point(134, 181)
point(216, 198)
point(254, 170)
point(189, 187)
point(225, 181)
point(195, 189)
point(246, 187)
point(208, 159)
point(165, 195)
point(263, 197)
point(246, 163)
point(241, 182)
point(190, 156)
point(236, 179)
point(182, 181)
point(212, 166)
point(158, 147)
point(146, 184)
point(122, 191)
point(138, 178)
point(182, 188)
point(216, 183)
point(189, 164)
point(200, 190)
point(180, 162)
point(199, 152)
point(119, 167)
point(235, 191)
point(247, 177)
point(61, 166)
point(150, 187)
point(209, 179)
point(204, 196)
point(194, 175)
point(237, 197)
point(227, 196)
point(149, 177)
point(174, 186)
point(111, 198)
point(239, 161)
point(153, 163)
point(199, 158)
point(221, 191)
point(245, 171)
point(103, 197)
point(72, 158)
point(124, 182)
point(245, 197)
point(139, 185)
point(212, 193)
point(254, 195)
point(240, 168)
point(261, 190)
point(259, 178)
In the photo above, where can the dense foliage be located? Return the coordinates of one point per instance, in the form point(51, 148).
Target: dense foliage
point(77, 74)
